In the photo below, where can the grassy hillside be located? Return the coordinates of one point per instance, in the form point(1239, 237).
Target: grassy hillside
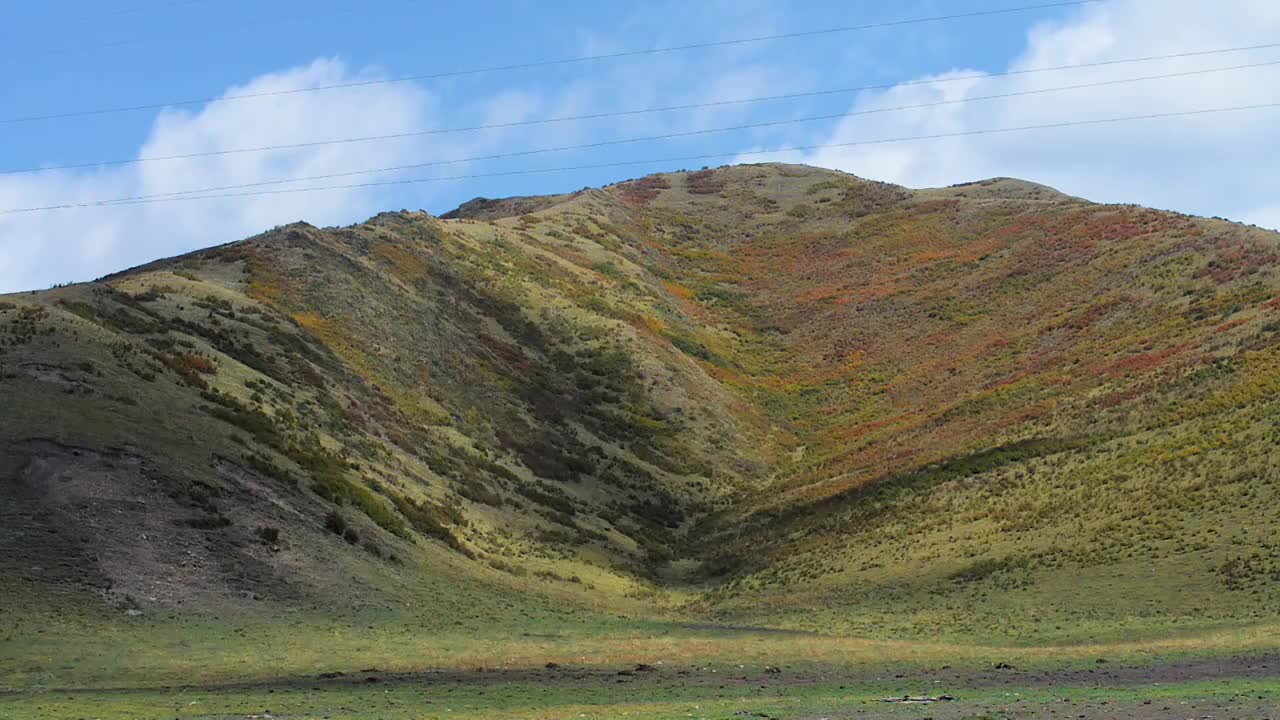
point(753, 396)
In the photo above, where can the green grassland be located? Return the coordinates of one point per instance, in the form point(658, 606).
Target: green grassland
point(763, 415)
point(603, 698)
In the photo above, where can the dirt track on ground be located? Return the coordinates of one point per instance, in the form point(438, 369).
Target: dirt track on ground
point(970, 691)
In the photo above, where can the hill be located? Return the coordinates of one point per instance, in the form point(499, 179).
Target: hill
point(759, 395)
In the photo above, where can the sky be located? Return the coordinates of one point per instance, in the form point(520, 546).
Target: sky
point(932, 93)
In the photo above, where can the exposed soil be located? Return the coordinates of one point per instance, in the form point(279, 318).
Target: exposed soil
point(140, 538)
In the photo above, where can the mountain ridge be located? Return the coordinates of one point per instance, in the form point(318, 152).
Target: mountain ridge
point(765, 394)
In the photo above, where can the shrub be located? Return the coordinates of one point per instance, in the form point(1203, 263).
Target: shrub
point(153, 293)
point(985, 567)
point(268, 535)
point(335, 523)
point(548, 496)
point(506, 567)
point(477, 490)
point(213, 521)
point(427, 518)
point(351, 536)
point(329, 482)
point(254, 422)
point(639, 192)
point(265, 467)
point(608, 269)
point(704, 182)
point(199, 363)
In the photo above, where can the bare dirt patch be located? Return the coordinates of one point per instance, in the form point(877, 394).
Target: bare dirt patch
point(53, 375)
point(152, 540)
point(126, 524)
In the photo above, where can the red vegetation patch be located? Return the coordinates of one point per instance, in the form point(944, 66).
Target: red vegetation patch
point(1231, 324)
point(189, 367)
point(704, 182)
point(865, 428)
point(1119, 398)
point(1239, 261)
point(199, 363)
point(1147, 360)
point(1090, 316)
point(640, 192)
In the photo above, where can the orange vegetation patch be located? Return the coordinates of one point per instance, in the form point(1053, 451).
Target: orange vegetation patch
point(838, 294)
point(1231, 324)
point(855, 360)
point(266, 284)
point(678, 290)
point(651, 325)
point(883, 289)
point(684, 299)
point(404, 264)
point(328, 332)
point(727, 376)
point(857, 431)
point(928, 256)
point(1146, 361)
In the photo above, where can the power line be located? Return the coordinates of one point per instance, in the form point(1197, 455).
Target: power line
point(693, 133)
point(641, 111)
point(131, 11)
point(686, 158)
point(550, 63)
point(255, 22)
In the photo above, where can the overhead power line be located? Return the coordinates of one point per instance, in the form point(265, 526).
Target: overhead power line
point(311, 14)
point(131, 10)
point(555, 62)
point(694, 133)
point(639, 111)
point(654, 161)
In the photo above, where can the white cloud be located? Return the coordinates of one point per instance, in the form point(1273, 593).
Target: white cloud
point(57, 246)
point(1213, 165)
point(79, 244)
point(1221, 164)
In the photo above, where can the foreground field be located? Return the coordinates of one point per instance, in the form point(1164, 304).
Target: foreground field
point(530, 659)
point(1229, 687)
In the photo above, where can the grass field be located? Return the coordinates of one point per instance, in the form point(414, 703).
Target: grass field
point(484, 658)
point(699, 677)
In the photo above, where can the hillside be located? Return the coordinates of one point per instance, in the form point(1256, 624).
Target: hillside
point(759, 395)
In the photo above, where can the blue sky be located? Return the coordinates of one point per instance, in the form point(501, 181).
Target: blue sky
point(73, 55)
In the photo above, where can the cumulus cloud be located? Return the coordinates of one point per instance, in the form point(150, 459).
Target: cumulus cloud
point(57, 246)
point(43, 248)
point(1221, 164)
